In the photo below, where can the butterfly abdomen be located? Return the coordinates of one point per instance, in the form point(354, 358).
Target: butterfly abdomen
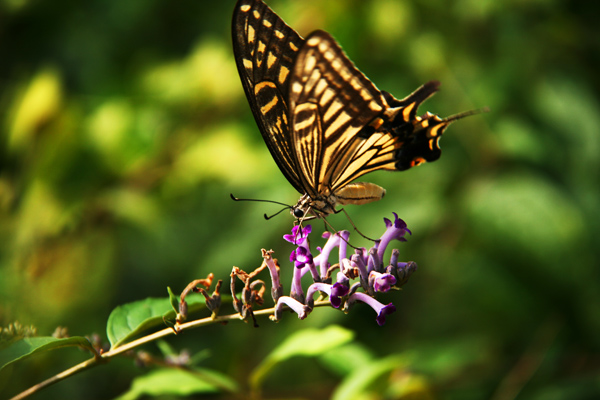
point(359, 193)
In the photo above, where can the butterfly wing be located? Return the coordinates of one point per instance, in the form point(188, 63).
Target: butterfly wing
point(265, 49)
point(330, 103)
point(344, 127)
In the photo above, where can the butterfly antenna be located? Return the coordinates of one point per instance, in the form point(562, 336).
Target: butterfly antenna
point(285, 206)
point(259, 200)
point(454, 117)
point(268, 217)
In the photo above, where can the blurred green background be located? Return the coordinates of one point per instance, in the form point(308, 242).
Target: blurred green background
point(124, 128)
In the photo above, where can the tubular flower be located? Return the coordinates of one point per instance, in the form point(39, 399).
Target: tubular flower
point(381, 309)
point(395, 230)
point(365, 264)
point(381, 282)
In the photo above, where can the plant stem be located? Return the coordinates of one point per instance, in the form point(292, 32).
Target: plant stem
point(105, 357)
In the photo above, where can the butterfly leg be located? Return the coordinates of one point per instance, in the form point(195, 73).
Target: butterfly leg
point(354, 226)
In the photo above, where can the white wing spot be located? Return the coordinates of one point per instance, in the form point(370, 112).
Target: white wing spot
point(310, 63)
point(297, 87)
point(313, 41)
point(245, 8)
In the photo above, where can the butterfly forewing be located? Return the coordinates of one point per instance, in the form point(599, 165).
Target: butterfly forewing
point(265, 49)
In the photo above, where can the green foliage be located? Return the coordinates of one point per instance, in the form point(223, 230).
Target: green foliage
point(26, 347)
point(124, 127)
point(128, 320)
point(174, 300)
point(177, 382)
point(304, 343)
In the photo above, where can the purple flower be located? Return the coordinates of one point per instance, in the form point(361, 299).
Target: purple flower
point(293, 304)
point(359, 262)
point(338, 290)
point(381, 310)
point(296, 291)
point(276, 288)
point(299, 235)
point(367, 265)
point(395, 230)
point(333, 241)
point(343, 246)
point(301, 256)
point(335, 293)
point(314, 288)
point(381, 282)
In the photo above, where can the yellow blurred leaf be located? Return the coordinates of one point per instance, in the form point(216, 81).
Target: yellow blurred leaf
point(39, 103)
point(222, 153)
point(41, 215)
point(206, 76)
point(108, 128)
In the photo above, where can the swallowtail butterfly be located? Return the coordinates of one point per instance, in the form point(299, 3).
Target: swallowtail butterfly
point(324, 122)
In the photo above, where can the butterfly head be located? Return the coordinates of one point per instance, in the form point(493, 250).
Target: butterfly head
point(297, 212)
point(309, 208)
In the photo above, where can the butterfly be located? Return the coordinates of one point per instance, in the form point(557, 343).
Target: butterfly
point(324, 122)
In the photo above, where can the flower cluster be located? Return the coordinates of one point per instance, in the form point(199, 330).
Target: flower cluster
point(359, 277)
point(366, 265)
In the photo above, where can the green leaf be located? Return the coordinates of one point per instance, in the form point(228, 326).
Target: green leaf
point(306, 343)
point(178, 382)
point(130, 319)
point(343, 359)
point(26, 347)
point(365, 378)
point(174, 299)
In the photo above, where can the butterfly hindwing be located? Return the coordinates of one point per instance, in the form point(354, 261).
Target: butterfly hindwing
point(265, 50)
point(419, 135)
point(330, 103)
point(344, 127)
